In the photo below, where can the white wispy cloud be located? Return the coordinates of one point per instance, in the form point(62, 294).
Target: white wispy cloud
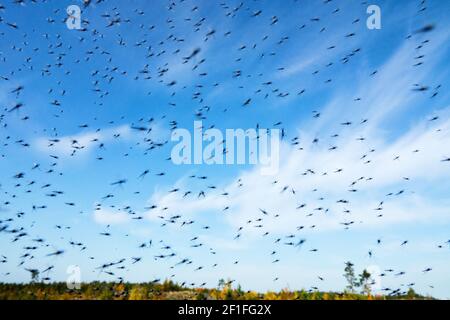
point(81, 143)
point(84, 142)
point(374, 173)
point(108, 217)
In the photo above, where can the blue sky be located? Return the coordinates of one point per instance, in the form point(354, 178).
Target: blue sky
point(108, 80)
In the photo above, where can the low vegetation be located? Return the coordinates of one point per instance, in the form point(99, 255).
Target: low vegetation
point(358, 288)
